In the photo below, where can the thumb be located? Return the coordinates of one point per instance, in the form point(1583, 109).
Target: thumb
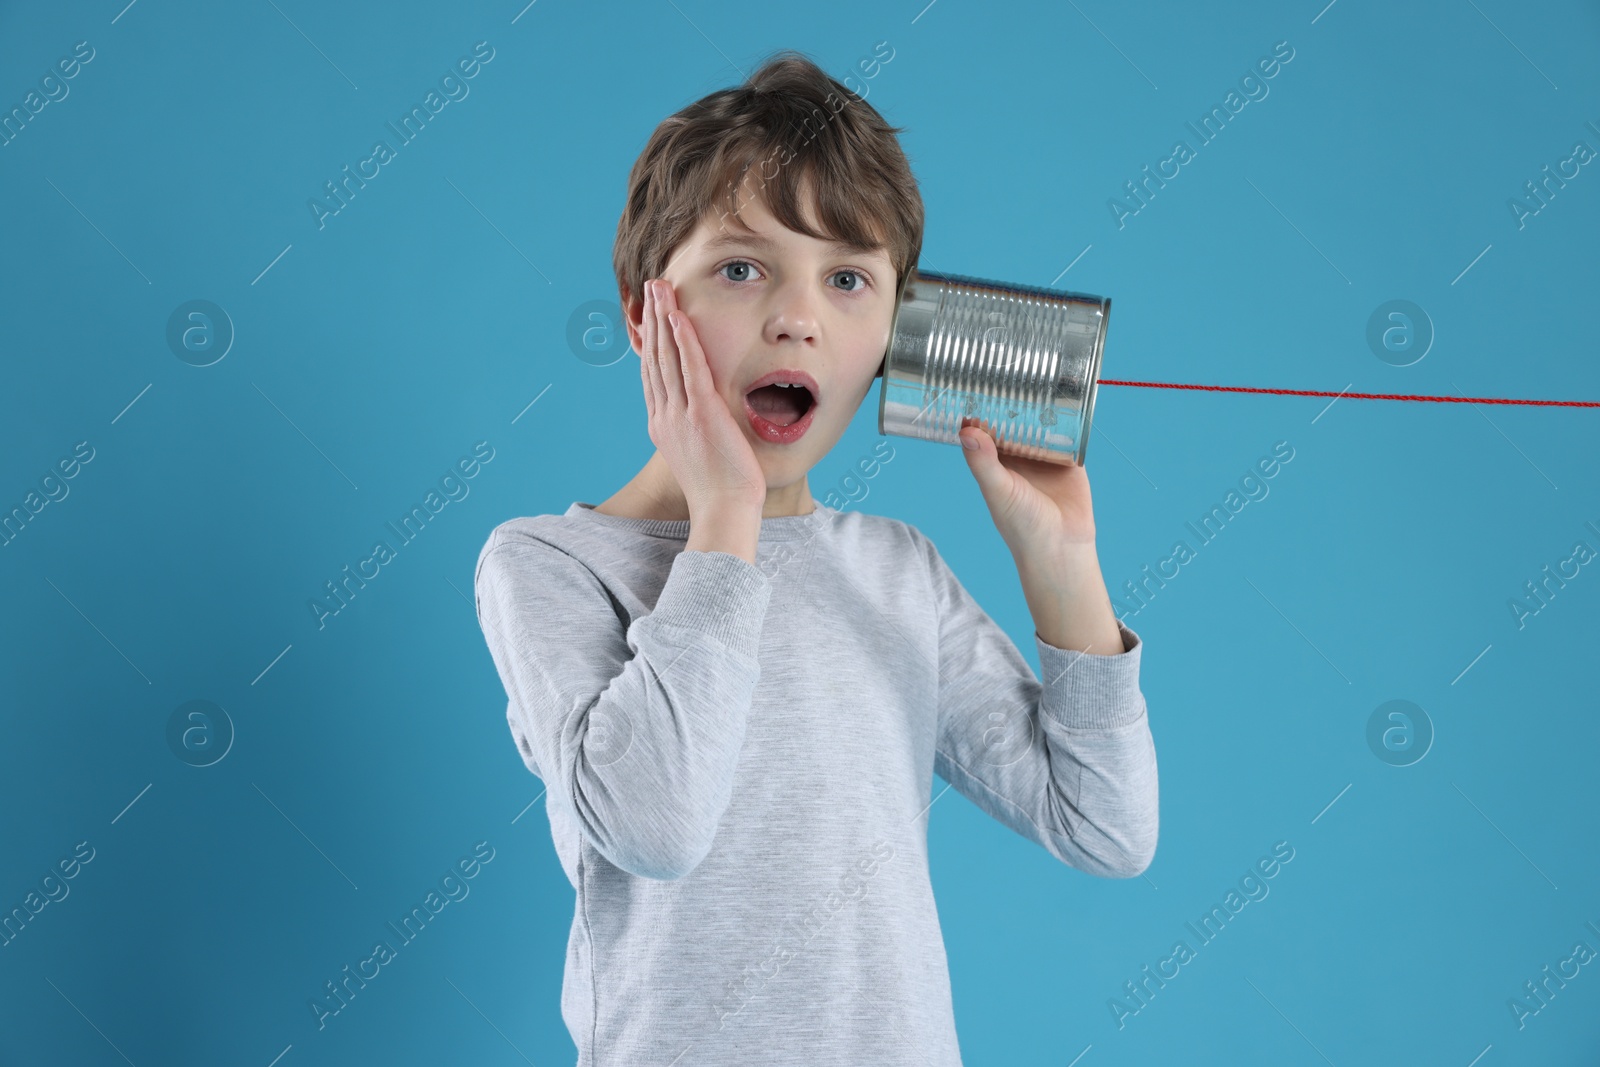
point(984, 462)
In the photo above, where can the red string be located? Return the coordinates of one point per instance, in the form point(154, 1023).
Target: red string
point(1361, 396)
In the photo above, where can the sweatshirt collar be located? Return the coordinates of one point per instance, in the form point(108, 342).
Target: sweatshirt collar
point(777, 528)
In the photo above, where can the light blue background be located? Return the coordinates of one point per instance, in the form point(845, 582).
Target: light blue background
point(429, 314)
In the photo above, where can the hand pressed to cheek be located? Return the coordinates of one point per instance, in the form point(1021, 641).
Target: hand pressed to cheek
point(690, 424)
point(663, 354)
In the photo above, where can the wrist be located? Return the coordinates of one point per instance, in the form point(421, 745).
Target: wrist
point(1060, 559)
point(725, 528)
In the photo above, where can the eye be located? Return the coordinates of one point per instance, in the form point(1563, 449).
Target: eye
point(737, 263)
point(857, 275)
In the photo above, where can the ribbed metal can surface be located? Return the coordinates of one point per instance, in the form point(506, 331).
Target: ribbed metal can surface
point(1021, 362)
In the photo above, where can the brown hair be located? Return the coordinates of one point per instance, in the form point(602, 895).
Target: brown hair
point(789, 121)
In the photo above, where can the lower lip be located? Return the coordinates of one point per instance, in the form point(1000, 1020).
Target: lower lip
point(772, 433)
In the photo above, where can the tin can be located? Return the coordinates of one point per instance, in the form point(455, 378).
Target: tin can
point(1021, 362)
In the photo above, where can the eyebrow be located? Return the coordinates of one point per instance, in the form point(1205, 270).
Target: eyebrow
point(767, 244)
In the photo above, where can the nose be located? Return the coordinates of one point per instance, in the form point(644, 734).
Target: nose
point(793, 316)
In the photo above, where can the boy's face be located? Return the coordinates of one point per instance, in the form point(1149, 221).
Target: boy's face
point(779, 300)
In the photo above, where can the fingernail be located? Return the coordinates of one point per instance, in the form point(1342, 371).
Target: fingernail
point(969, 443)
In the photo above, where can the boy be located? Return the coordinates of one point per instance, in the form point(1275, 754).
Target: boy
point(737, 696)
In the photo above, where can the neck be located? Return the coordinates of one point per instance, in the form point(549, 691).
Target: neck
point(655, 491)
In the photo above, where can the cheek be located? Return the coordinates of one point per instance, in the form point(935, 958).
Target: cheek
point(724, 345)
point(867, 362)
point(721, 353)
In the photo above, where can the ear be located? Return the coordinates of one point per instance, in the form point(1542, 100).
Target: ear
point(633, 319)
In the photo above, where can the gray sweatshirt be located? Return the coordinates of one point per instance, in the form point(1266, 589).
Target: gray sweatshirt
point(739, 764)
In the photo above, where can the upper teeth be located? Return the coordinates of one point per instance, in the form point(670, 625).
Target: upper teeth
point(789, 385)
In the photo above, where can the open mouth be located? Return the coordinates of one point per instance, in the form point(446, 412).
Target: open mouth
point(781, 405)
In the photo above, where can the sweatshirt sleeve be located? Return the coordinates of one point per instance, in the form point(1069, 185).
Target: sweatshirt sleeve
point(637, 732)
point(1069, 763)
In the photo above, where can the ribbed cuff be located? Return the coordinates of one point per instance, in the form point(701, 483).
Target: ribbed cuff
point(717, 594)
point(1084, 691)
